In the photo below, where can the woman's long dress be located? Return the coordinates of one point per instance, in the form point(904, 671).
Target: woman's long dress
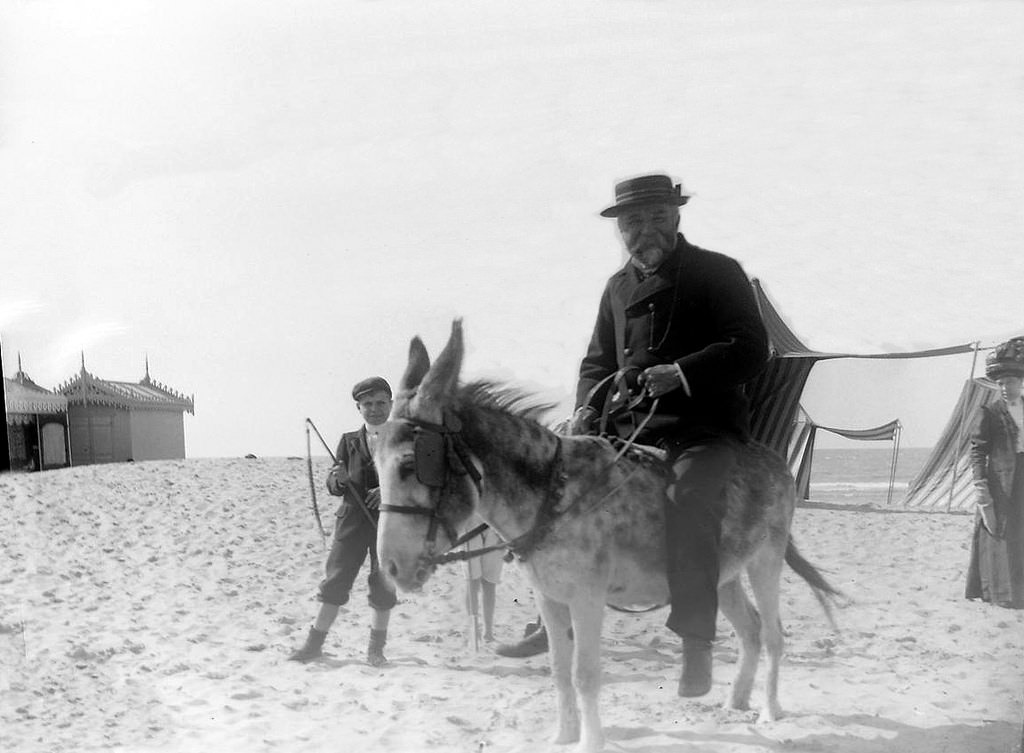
point(996, 570)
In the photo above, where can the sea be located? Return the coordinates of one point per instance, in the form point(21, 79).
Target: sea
point(860, 475)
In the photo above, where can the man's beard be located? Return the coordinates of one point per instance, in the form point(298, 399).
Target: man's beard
point(650, 252)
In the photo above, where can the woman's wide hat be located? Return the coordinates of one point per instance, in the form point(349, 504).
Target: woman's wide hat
point(1006, 359)
point(646, 189)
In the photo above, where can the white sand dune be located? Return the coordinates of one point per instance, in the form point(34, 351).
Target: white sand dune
point(151, 607)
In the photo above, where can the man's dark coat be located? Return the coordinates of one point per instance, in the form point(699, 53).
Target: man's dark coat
point(697, 310)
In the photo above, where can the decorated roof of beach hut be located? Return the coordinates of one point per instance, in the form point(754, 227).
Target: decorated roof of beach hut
point(25, 399)
point(775, 394)
point(144, 394)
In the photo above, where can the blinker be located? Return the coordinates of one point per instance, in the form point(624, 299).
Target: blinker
point(430, 457)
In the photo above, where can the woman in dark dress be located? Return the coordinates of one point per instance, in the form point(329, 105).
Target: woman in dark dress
point(996, 571)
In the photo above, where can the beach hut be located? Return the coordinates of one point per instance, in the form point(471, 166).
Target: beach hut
point(112, 421)
point(37, 424)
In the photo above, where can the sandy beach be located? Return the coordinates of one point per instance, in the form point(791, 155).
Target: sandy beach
point(151, 607)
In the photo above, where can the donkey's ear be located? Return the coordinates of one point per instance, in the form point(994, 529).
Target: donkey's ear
point(440, 381)
point(418, 366)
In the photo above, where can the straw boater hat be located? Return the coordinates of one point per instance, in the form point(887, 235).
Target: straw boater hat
point(646, 189)
point(370, 385)
point(1006, 359)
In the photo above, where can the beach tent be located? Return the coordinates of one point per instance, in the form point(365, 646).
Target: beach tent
point(801, 452)
point(775, 394)
point(945, 480)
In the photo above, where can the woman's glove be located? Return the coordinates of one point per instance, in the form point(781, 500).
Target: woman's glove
point(373, 498)
point(987, 511)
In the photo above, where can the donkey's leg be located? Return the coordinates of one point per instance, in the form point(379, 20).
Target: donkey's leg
point(735, 605)
point(764, 581)
point(557, 621)
point(587, 615)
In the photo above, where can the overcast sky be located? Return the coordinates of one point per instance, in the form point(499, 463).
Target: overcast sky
point(270, 199)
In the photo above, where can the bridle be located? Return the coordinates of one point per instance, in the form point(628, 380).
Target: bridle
point(439, 454)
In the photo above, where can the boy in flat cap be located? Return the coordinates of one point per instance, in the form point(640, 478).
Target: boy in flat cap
point(354, 479)
point(684, 324)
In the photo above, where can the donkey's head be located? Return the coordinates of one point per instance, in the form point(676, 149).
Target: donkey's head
point(426, 475)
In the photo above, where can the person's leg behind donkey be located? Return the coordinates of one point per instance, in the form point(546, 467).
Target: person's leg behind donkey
point(491, 565)
point(484, 575)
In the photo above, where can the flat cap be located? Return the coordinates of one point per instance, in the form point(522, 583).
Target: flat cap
point(368, 385)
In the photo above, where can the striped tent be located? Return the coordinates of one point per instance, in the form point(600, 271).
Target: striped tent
point(801, 453)
point(775, 394)
point(945, 481)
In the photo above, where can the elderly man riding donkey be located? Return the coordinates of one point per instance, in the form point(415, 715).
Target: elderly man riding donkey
point(680, 323)
point(670, 504)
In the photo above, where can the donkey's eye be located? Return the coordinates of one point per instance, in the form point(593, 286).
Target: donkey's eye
point(406, 467)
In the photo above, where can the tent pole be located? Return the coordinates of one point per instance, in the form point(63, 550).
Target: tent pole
point(809, 455)
point(895, 455)
point(974, 358)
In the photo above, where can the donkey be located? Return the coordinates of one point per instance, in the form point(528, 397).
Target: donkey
point(587, 526)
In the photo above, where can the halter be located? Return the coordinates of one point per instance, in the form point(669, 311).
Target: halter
point(439, 452)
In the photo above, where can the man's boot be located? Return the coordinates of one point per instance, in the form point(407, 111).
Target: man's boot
point(535, 642)
point(313, 647)
point(696, 678)
point(375, 651)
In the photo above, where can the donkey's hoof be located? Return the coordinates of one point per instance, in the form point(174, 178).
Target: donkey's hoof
point(566, 736)
point(738, 704)
point(770, 713)
point(589, 746)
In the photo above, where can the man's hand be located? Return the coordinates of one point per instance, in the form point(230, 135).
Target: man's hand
point(337, 480)
point(373, 498)
point(582, 421)
point(987, 511)
point(657, 380)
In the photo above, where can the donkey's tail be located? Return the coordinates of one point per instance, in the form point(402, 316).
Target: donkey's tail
point(824, 592)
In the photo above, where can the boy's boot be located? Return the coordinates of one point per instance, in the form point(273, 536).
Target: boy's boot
point(313, 647)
